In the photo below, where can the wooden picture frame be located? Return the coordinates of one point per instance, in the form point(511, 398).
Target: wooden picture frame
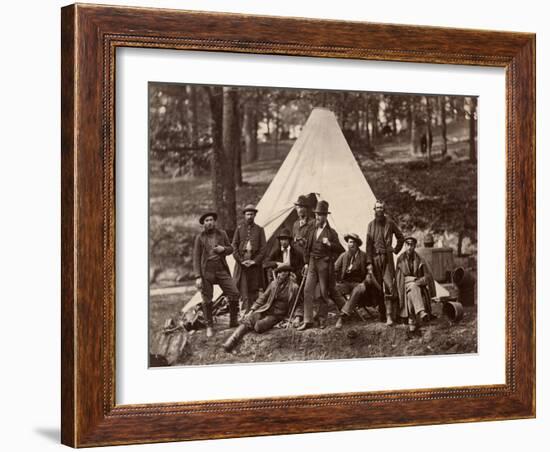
point(90, 36)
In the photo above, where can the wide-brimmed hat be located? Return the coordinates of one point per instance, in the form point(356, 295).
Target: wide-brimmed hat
point(283, 268)
point(284, 234)
point(302, 201)
point(250, 208)
point(322, 207)
point(208, 214)
point(410, 238)
point(353, 236)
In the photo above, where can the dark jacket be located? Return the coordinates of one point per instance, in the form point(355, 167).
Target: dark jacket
point(359, 265)
point(420, 270)
point(257, 239)
point(279, 303)
point(300, 234)
point(200, 256)
point(390, 229)
point(254, 274)
point(313, 244)
point(276, 256)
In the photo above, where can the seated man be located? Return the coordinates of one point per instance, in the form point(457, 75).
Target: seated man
point(351, 271)
point(285, 254)
point(415, 286)
point(269, 309)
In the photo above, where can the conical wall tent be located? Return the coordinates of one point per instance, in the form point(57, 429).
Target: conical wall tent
point(320, 162)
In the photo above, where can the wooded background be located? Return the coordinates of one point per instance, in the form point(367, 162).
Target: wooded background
point(199, 129)
point(417, 151)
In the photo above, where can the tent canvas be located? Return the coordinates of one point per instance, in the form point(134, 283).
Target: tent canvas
point(320, 162)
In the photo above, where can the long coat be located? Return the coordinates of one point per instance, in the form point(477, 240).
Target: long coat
point(420, 270)
point(200, 253)
point(279, 303)
point(253, 274)
point(342, 263)
point(390, 229)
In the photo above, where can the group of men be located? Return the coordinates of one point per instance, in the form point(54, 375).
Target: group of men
point(311, 258)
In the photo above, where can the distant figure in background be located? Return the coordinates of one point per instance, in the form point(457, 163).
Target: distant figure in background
point(321, 250)
point(380, 233)
point(426, 141)
point(415, 285)
point(351, 271)
point(248, 250)
point(269, 309)
point(210, 267)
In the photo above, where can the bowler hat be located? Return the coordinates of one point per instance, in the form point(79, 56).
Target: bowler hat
point(322, 207)
point(208, 214)
point(250, 208)
point(302, 201)
point(283, 268)
point(410, 238)
point(353, 236)
point(284, 234)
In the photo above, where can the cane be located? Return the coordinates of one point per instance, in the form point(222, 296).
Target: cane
point(296, 301)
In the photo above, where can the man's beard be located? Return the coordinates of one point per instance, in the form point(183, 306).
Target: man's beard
point(379, 216)
point(249, 220)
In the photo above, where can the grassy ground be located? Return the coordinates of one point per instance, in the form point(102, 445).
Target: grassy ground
point(357, 339)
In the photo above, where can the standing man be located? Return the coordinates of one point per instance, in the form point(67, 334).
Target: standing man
point(300, 233)
point(321, 249)
point(415, 285)
point(248, 248)
point(351, 272)
point(380, 233)
point(302, 226)
point(210, 267)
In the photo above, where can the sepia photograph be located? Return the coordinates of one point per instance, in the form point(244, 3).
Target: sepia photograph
point(294, 224)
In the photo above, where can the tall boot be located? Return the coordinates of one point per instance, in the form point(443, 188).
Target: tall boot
point(235, 337)
point(207, 311)
point(233, 313)
point(388, 302)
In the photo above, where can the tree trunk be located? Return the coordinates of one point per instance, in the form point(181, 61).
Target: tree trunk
point(250, 125)
point(230, 149)
point(367, 133)
point(344, 114)
point(443, 108)
point(413, 140)
point(429, 130)
point(374, 121)
point(473, 129)
point(219, 160)
point(193, 123)
point(276, 132)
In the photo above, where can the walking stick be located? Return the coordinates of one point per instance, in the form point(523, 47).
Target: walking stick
point(296, 301)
